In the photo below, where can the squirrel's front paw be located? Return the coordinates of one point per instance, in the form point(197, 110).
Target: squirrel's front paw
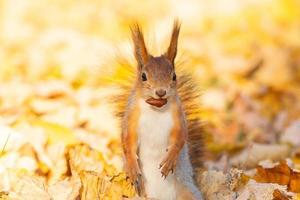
point(168, 164)
point(135, 175)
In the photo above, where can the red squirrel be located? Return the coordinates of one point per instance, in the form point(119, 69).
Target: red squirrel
point(155, 131)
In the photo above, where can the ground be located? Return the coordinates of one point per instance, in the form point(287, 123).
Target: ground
point(62, 63)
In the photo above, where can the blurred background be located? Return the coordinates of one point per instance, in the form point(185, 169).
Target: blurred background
point(58, 68)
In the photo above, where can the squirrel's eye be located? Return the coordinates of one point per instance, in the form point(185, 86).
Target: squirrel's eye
point(144, 77)
point(174, 77)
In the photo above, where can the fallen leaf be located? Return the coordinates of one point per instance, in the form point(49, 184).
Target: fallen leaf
point(281, 174)
point(99, 179)
point(278, 195)
point(254, 190)
point(255, 153)
point(216, 185)
point(84, 158)
point(26, 187)
point(65, 189)
point(93, 185)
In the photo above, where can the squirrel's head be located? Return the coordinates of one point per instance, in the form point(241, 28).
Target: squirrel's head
point(156, 76)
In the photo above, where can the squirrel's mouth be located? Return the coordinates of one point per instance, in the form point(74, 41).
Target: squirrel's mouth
point(156, 102)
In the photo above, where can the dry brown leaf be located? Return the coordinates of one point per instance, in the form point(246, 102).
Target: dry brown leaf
point(93, 185)
point(101, 186)
point(278, 195)
point(121, 186)
point(217, 185)
point(281, 174)
point(4, 196)
point(99, 179)
point(84, 158)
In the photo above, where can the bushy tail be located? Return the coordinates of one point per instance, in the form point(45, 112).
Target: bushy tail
point(189, 93)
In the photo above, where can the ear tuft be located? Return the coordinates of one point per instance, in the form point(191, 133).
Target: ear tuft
point(172, 49)
point(140, 50)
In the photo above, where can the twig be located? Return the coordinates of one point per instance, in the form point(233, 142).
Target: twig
point(2, 151)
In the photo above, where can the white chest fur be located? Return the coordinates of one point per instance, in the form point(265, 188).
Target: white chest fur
point(153, 133)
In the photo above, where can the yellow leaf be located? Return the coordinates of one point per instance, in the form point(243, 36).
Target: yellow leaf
point(56, 132)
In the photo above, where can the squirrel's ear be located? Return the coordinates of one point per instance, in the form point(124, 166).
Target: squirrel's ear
point(172, 49)
point(140, 50)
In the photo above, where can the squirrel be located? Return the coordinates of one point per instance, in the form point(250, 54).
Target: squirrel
point(161, 134)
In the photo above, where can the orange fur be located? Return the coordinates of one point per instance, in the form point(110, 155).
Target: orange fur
point(140, 50)
point(172, 50)
point(157, 74)
point(177, 139)
point(129, 141)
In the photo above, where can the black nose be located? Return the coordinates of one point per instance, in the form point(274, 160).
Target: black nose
point(160, 93)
